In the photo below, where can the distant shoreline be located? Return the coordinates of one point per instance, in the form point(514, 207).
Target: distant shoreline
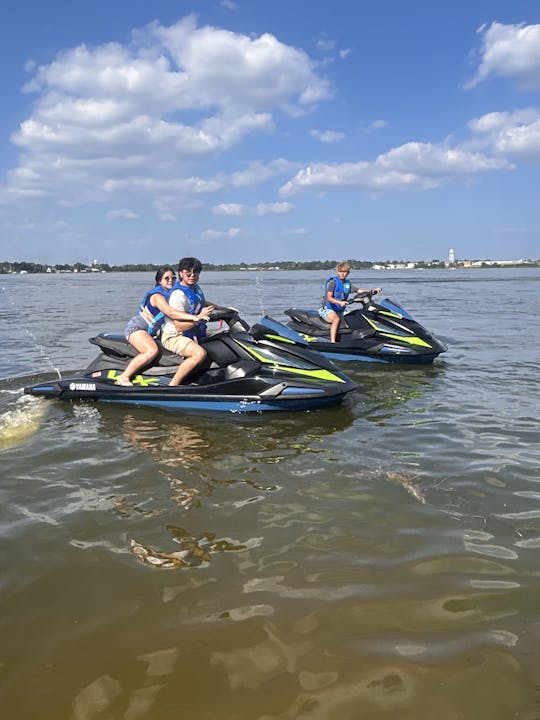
point(24, 267)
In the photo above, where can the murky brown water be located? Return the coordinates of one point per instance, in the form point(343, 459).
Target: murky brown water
point(374, 561)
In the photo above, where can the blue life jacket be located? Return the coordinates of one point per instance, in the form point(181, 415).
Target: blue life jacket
point(196, 303)
point(153, 316)
point(341, 292)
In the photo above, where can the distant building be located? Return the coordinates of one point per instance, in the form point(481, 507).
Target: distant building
point(451, 256)
point(394, 266)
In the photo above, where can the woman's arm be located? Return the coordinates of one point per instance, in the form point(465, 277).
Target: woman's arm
point(191, 320)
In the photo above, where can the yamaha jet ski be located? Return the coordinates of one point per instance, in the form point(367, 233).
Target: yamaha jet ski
point(376, 331)
point(239, 374)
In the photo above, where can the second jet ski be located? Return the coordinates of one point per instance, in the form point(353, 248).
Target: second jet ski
point(239, 374)
point(369, 331)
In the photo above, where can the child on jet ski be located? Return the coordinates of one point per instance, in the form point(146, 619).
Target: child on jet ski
point(336, 291)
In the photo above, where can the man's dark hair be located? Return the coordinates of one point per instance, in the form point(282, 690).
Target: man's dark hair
point(189, 263)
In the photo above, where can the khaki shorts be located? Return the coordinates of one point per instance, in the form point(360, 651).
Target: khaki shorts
point(176, 342)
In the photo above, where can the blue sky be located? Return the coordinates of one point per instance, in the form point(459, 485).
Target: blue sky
point(141, 131)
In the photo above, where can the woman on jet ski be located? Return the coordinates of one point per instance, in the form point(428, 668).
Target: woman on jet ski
point(142, 329)
point(336, 291)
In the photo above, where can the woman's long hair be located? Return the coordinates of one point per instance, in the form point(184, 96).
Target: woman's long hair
point(161, 272)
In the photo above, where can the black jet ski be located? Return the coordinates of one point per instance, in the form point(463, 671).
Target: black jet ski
point(239, 374)
point(376, 331)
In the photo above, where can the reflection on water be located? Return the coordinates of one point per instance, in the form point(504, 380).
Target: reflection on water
point(196, 550)
point(389, 387)
point(172, 443)
point(194, 458)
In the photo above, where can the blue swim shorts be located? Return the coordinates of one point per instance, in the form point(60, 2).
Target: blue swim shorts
point(323, 312)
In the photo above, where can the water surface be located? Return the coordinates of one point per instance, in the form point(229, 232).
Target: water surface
point(379, 560)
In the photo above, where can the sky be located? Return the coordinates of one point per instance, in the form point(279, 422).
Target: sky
point(252, 131)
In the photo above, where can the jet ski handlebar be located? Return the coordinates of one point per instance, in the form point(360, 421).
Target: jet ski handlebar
point(222, 313)
point(229, 316)
point(363, 297)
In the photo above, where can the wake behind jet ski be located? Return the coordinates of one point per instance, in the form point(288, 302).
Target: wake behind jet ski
point(240, 374)
point(375, 332)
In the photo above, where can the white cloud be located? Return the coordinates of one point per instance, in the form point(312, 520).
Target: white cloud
point(220, 234)
point(412, 166)
point(122, 214)
point(166, 216)
point(377, 125)
point(114, 117)
point(229, 209)
point(515, 134)
point(295, 231)
point(229, 5)
point(327, 136)
point(325, 44)
point(511, 51)
point(257, 173)
point(275, 208)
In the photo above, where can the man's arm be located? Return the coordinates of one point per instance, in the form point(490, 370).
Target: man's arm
point(180, 303)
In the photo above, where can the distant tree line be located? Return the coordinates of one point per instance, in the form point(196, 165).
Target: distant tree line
point(327, 265)
point(32, 267)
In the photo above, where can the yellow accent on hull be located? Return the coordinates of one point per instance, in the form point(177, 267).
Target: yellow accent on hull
point(139, 380)
point(279, 338)
point(308, 338)
point(413, 340)
point(320, 374)
point(410, 341)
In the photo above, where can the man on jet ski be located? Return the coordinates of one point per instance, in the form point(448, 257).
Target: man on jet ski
point(143, 329)
point(336, 291)
point(178, 336)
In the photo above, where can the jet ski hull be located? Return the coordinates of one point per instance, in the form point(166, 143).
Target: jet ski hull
point(241, 375)
point(241, 396)
point(377, 333)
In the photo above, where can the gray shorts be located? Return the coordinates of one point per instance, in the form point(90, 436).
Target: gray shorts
point(136, 323)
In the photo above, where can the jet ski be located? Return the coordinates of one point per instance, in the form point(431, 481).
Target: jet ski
point(239, 374)
point(374, 332)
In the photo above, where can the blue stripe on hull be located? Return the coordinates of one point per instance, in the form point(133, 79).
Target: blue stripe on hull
point(388, 360)
point(232, 407)
point(343, 356)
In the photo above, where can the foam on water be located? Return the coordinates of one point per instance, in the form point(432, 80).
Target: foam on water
point(18, 424)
